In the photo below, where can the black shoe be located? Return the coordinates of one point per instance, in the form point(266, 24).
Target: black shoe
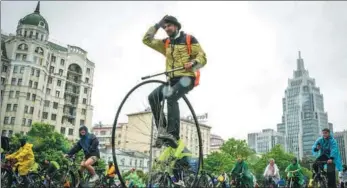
point(158, 143)
point(170, 139)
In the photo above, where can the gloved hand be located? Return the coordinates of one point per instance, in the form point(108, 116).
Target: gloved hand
point(162, 21)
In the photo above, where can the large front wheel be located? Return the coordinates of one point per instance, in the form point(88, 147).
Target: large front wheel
point(134, 132)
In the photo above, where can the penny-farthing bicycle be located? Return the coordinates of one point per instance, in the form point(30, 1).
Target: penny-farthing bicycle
point(139, 133)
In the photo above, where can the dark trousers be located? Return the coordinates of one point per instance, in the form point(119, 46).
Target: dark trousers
point(330, 172)
point(179, 87)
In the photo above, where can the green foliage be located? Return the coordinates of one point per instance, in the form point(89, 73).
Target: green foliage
point(218, 162)
point(224, 160)
point(235, 148)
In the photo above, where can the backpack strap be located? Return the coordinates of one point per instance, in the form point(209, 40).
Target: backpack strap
point(167, 42)
point(189, 43)
point(189, 47)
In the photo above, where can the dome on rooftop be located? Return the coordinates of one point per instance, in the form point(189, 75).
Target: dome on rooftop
point(35, 19)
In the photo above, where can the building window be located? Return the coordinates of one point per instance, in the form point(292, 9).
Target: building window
point(13, 81)
point(25, 33)
point(62, 130)
point(36, 85)
point(23, 122)
point(57, 93)
point(31, 34)
point(4, 68)
point(30, 83)
point(39, 50)
point(82, 122)
point(62, 62)
point(15, 107)
point(48, 91)
point(53, 58)
point(50, 80)
point(13, 119)
point(84, 101)
point(70, 131)
point(23, 47)
point(87, 80)
point(102, 132)
point(34, 97)
point(88, 70)
point(59, 83)
point(37, 73)
point(21, 70)
point(3, 81)
point(61, 72)
point(44, 115)
point(85, 90)
point(28, 96)
point(32, 71)
point(8, 107)
point(24, 57)
point(17, 94)
point(31, 110)
point(54, 117)
point(29, 122)
point(83, 111)
point(26, 109)
point(15, 69)
point(17, 56)
point(55, 105)
point(51, 69)
point(6, 119)
point(37, 35)
point(41, 37)
point(19, 81)
point(46, 104)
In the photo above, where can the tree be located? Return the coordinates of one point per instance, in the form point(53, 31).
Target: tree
point(235, 148)
point(218, 162)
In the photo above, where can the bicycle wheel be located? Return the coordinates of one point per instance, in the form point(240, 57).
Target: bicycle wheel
point(6, 178)
point(205, 180)
point(139, 133)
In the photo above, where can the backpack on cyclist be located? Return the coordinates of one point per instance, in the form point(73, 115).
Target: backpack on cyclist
point(189, 47)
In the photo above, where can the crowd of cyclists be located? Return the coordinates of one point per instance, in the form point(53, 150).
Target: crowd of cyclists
point(325, 150)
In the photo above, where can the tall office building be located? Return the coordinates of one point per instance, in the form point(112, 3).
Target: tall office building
point(264, 141)
point(303, 112)
point(341, 139)
point(42, 81)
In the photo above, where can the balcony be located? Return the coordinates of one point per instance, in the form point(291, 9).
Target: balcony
point(72, 92)
point(70, 103)
point(74, 72)
point(73, 80)
point(69, 115)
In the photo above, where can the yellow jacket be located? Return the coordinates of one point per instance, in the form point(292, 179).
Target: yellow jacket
point(25, 158)
point(177, 53)
point(111, 171)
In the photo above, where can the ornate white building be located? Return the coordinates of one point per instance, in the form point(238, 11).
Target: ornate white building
point(42, 81)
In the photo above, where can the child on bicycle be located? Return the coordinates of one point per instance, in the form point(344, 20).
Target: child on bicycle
point(111, 173)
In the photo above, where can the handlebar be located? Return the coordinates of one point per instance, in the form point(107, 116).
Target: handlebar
point(161, 73)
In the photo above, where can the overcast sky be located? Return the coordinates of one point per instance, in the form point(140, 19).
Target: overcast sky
point(251, 49)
